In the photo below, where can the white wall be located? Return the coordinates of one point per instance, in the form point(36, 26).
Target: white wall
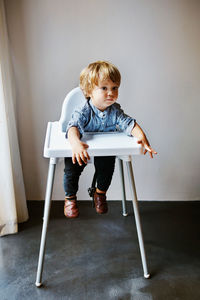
point(155, 44)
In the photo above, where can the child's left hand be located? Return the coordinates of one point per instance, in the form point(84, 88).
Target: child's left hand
point(145, 145)
point(142, 139)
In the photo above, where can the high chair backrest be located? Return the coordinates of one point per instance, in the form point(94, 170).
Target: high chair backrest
point(74, 99)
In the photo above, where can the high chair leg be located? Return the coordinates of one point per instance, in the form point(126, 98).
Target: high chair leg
point(121, 171)
point(92, 189)
point(137, 218)
point(50, 179)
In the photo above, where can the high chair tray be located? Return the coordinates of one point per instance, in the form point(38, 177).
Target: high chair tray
point(100, 144)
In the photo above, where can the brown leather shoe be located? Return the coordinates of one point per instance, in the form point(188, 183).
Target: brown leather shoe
point(71, 208)
point(100, 203)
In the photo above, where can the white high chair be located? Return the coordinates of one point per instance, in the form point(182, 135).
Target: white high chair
point(100, 144)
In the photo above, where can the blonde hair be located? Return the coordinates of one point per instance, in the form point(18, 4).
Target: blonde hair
point(99, 70)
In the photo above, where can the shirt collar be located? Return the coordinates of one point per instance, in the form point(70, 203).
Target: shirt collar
point(101, 114)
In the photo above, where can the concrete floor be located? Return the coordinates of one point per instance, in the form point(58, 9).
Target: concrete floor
point(97, 257)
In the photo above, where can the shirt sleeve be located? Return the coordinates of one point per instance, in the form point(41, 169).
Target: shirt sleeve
point(124, 122)
point(77, 120)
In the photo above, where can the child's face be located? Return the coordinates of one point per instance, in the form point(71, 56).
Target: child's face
point(105, 94)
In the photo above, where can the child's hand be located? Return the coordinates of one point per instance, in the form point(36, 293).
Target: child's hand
point(145, 145)
point(142, 139)
point(79, 153)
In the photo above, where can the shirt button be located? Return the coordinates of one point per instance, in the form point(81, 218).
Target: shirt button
point(101, 114)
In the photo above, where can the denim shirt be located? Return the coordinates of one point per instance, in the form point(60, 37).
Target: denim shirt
point(89, 118)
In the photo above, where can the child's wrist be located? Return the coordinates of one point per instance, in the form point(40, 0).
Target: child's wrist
point(139, 135)
point(75, 143)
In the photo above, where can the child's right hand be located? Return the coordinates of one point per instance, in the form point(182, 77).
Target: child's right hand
point(79, 153)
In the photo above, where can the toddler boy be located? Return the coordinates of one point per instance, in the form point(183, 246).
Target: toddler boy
point(99, 82)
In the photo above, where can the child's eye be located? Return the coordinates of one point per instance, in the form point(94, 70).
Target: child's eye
point(104, 88)
point(115, 88)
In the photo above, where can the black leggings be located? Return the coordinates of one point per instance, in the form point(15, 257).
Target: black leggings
point(104, 167)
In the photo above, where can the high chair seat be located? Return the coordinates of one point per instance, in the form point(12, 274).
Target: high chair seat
point(100, 144)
